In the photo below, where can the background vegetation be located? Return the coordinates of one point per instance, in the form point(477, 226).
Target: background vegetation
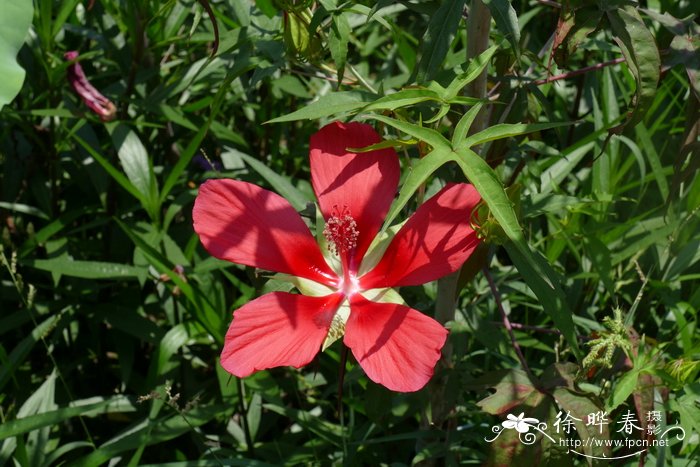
point(113, 316)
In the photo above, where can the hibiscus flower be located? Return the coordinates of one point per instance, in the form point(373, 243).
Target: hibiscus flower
point(346, 280)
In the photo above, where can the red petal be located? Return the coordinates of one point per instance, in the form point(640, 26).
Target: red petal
point(397, 346)
point(277, 329)
point(364, 183)
point(434, 242)
point(245, 224)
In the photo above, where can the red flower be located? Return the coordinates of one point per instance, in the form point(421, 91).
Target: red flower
point(347, 291)
point(87, 92)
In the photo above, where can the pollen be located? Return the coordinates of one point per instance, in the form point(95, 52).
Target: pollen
point(341, 231)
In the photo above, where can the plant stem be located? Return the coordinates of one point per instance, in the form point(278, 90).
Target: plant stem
point(478, 27)
point(571, 74)
point(244, 417)
point(507, 324)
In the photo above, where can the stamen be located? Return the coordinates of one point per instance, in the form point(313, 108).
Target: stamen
point(341, 231)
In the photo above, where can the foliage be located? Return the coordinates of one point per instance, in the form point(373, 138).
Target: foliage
point(583, 143)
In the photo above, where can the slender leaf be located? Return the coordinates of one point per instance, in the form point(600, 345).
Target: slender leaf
point(402, 98)
point(151, 432)
point(338, 39)
point(506, 21)
point(136, 164)
point(505, 130)
point(111, 170)
point(88, 269)
point(430, 136)
point(282, 185)
point(20, 352)
point(329, 104)
point(476, 66)
point(438, 38)
point(26, 424)
point(464, 124)
point(642, 57)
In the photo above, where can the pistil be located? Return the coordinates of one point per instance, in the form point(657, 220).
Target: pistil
point(341, 233)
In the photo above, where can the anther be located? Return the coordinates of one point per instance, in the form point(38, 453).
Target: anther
point(341, 231)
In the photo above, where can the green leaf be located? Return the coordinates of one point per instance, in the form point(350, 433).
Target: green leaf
point(417, 175)
point(328, 432)
point(476, 66)
point(402, 98)
point(506, 21)
point(326, 105)
point(505, 130)
point(89, 269)
point(465, 123)
point(338, 39)
point(538, 274)
point(171, 342)
point(573, 27)
point(67, 7)
point(685, 49)
point(281, 184)
point(20, 352)
point(642, 57)
point(623, 389)
point(111, 170)
point(51, 229)
point(24, 209)
point(580, 406)
point(136, 164)
point(511, 387)
point(15, 20)
point(438, 38)
point(193, 145)
point(204, 311)
point(687, 407)
point(430, 136)
point(152, 431)
point(54, 417)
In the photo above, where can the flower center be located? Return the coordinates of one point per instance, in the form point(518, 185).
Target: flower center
point(341, 231)
point(350, 285)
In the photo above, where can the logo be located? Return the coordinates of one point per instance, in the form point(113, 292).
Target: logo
point(530, 430)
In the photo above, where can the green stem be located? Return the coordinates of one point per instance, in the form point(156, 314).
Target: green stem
point(244, 416)
point(478, 28)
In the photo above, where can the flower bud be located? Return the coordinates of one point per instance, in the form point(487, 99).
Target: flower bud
point(98, 103)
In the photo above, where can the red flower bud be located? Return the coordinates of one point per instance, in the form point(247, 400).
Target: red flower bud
point(87, 92)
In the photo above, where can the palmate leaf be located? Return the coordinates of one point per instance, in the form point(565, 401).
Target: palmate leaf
point(536, 271)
